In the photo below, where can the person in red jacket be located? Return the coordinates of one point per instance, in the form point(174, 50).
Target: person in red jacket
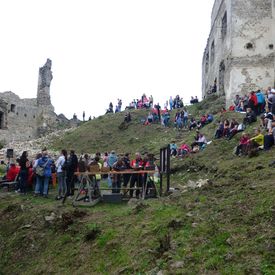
point(12, 172)
point(253, 101)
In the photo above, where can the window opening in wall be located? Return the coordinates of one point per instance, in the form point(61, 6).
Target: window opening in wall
point(17, 113)
point(270, 46)
point(221, 78)
point(12, 108)
point(206, 62)
point(33, 116)
point(212, 52)
point(224, 25)
point(249, 46)
point(1, 120)
point(25, 115)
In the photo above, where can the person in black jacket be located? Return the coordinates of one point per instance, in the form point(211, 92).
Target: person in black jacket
point(126, 177)
point(24, 166)
point(71, 169)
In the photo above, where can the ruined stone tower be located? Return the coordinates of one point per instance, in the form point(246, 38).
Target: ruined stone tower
point(44, 83)
point(28, 118)
point(239, 55)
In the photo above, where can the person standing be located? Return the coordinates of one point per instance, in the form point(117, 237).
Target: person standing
point(42, 182)
point(83, 115)
point(157, 106)
point(136, 164)
point(126, 177)
point(24, 165)
point(72, 168)
point(112, 158)
point(61, 174)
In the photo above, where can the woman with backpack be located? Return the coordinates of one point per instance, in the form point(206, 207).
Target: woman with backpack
point(43, 172)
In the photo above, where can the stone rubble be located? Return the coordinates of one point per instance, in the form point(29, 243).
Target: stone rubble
point(34, 146)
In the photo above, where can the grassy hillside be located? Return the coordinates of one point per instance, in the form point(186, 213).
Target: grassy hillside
point(224, 227)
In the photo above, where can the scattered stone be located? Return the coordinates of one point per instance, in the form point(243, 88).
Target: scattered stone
point(228, 256)
point(50, 218)
point(26, 226)
point(153, 271)
point(229, 241)
point(132, 201)
point(178, 264)
point(197, 184)
point(189, 214)
point(139, 207)
point(175, 196)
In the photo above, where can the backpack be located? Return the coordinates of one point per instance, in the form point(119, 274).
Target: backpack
point(40, 170)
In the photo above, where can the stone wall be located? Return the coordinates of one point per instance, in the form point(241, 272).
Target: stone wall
point(25, 119)
point(244, 57)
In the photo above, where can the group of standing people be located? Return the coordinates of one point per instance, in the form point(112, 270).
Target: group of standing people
point(40, 173)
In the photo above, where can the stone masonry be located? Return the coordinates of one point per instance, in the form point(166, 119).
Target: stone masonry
point(26, 119)
point(239, 55)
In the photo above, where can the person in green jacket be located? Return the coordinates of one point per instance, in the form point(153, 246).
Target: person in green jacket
point(3, 169)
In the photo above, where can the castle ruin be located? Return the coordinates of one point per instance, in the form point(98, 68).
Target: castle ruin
point(239, 55)
point(28, 118)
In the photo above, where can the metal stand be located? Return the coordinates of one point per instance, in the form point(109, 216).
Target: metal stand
point(88, 192)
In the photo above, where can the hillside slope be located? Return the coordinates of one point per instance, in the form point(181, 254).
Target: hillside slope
point(224, 227)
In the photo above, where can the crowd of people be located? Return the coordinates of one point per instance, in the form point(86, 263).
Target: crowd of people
point(64, 168)
point(39, 173)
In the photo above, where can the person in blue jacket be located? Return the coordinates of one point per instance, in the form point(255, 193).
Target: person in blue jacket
point(261, 102)
point(42, 182)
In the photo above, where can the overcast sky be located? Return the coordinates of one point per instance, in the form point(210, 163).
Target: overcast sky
point(102, 50)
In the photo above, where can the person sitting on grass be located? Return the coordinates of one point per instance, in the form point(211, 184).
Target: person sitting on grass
point(173, 148)
point(219, 131)
point(269, 139)
point(192, 124)
point(209, 118)
point(200, 140)
point(203, 120)
point(243, 145)
point(250, 117)
point(127, 117)
point(258, 139)
point(266, 119)
point(233, 128)
point(226, 129)
point(184, 150)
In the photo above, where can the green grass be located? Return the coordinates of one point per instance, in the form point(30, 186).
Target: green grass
point(226, 227)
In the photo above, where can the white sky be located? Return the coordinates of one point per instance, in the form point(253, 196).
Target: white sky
point(102, 50)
